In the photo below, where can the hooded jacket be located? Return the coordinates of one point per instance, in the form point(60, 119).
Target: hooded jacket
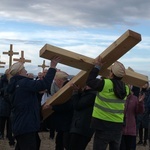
point(83, 107)
point(25, 104)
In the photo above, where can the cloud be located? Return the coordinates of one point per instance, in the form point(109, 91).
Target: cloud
point(86, 27)
point(79, 13)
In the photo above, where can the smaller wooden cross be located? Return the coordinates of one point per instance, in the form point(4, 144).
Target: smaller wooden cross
point(22, 59)
point(2, 63)
point(10, 54)
point(43, 65)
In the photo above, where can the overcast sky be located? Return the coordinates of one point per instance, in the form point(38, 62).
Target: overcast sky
point(86, 27)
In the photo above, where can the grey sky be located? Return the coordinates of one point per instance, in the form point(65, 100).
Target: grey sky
point(80, 13)
point(83, 26)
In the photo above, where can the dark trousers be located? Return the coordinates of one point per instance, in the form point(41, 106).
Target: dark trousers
point(134, 144)
point(104, 138)
point(9, 132)
point(3, 121)
point(62, 140)
point(59, 141)
point(143, 132)
point(127, 142)
point(6, 122)
point(78, 142)
point(28, 141)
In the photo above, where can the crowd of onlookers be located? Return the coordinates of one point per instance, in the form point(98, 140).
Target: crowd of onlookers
point(115, 114)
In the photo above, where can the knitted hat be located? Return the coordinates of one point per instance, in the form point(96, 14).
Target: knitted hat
point(118, 69)
point(61, 75)
point(15, 68)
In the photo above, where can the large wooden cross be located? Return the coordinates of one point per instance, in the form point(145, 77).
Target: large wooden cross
point(43, 66)
point(22, 59)
point(10, 53)
point(116, 50)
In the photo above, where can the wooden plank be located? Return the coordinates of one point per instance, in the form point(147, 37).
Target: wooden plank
point(65, 92)
point(117, 49)
point(2, 62)
point(131, 77)
point(2, 66)
point(135, 78)
point(68, 58)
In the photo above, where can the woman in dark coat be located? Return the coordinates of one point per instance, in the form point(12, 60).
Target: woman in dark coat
point(5, 109)
point(61, 118)
point(143, 119)
point(25, 104)
point(133, 106)
point(5, 106)
point(80, 131)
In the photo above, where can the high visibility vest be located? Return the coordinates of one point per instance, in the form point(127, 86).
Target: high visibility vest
point(107, 106)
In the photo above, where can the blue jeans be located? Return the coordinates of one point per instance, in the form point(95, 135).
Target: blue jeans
point(104, 138)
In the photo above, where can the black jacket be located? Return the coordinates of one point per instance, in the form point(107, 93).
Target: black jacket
point(83, 108)
point(5, 106)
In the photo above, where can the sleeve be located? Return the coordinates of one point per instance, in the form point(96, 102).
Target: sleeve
point(38, 85)
point(93, 82)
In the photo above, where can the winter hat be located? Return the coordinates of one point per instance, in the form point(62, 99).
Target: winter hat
point(118, 69)
point(61, 75)
point(15, 68)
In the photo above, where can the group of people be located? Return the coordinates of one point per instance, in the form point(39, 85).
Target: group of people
point(106, 109)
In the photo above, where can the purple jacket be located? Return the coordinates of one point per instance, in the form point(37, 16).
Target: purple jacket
point(132, 108)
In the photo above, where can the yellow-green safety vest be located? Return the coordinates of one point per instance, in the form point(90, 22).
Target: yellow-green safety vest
point(107, 106)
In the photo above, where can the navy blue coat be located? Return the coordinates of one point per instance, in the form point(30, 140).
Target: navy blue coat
point(25, 104)
point(5, 106)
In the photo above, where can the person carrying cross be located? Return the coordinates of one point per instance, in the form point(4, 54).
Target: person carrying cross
point(108, 110)
point(25, 105)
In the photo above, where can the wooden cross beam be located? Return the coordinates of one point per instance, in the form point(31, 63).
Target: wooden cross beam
point(10, 53)
point(131, 77)
point(43, 65)
point(2, 64)
point(117, 49)
point(22, 59)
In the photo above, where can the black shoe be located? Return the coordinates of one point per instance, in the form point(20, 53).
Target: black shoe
point(12, 144)
point(145, 143)
point(140, 143)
